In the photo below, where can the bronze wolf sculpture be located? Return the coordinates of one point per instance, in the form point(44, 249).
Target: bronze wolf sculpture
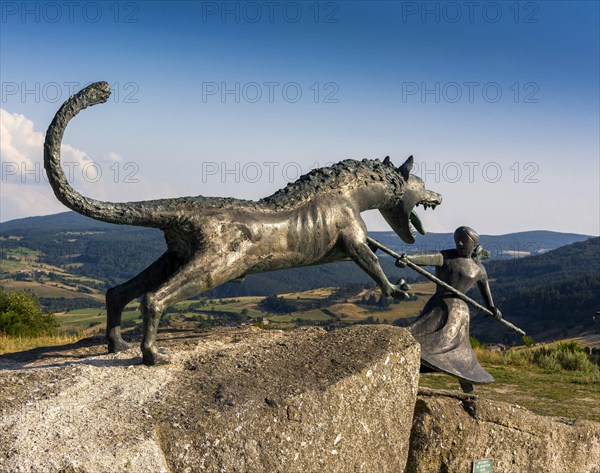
point(213, 240)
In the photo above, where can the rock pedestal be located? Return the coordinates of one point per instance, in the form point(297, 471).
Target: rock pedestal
point(250, 400)
point(238, 400)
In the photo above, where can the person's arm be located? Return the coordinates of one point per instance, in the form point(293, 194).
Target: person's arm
point(423, 259)
point(486, 294)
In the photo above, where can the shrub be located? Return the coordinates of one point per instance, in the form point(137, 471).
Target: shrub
point(575, 361)
point(21, 315)
point(564, 356)
point(546, 361)
point(528, 341)
point(567, 356)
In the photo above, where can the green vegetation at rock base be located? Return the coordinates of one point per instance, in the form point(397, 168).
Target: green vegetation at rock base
point(22, 316)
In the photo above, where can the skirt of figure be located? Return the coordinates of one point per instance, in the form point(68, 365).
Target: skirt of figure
point(442, 330)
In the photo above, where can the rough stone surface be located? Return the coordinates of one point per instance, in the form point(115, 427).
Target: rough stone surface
point(232, 400)
point(451, 431)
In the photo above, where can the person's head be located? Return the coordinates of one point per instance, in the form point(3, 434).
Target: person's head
point(466, 240)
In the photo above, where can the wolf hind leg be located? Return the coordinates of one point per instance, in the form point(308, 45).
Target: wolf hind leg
point(202, 273)
point(119, 296)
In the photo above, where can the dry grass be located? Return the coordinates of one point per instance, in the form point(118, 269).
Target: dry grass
point(319, 293)
point(590, 340)
point(10, 344)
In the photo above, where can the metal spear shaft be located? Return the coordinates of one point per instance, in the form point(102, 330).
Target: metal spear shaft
point(446, 286)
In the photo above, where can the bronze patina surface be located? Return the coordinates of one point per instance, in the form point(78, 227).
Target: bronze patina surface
point(442, 328)
point(214, 240)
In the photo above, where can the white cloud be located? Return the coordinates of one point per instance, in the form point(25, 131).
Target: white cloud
point(21, 152)
point(24, 188)
point(18, 142)
point(37, 200)
point(114, 157)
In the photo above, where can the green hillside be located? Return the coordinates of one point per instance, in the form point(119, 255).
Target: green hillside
point(114, 253)
point(553, 295)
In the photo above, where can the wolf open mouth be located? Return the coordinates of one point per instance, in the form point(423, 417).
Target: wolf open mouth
point(403, 218)
point(415, 222)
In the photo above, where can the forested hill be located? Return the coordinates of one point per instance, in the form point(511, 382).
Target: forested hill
point(115, 253)
point(555, 294)
point(87, 247)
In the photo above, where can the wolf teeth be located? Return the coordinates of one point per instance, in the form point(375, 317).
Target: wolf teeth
point(425, 205)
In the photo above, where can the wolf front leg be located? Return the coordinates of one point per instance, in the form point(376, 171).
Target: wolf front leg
point(358, 250)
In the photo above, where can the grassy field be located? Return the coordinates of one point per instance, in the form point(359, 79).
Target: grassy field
point(348, 310)
point(545, 393)
point(312, 315)
point(551, 392)
point(25, 262)
point(46, 288)
point(85, 318)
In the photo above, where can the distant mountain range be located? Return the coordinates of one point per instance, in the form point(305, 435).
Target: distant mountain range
point(548, 282)
point(508, 246)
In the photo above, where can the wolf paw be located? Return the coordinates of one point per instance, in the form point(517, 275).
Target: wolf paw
point(399, 290)
point(154, 357)
point(117, 345)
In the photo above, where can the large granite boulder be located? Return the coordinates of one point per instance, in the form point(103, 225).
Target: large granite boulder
point(232, 400)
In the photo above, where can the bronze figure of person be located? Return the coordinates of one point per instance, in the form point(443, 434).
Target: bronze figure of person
point(442, 328)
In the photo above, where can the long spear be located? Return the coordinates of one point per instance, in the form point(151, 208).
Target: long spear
point(446, 286)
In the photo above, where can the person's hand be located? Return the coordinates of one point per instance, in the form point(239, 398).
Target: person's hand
point(399, 290)
point(496, 313)
point(401, 262)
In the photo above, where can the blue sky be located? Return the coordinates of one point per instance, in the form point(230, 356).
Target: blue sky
point(499, 104)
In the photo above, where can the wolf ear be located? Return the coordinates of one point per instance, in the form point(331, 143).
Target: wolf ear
point(387, 160)
point(406, 167)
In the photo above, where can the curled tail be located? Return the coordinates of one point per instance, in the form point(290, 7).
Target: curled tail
point(130, 213)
